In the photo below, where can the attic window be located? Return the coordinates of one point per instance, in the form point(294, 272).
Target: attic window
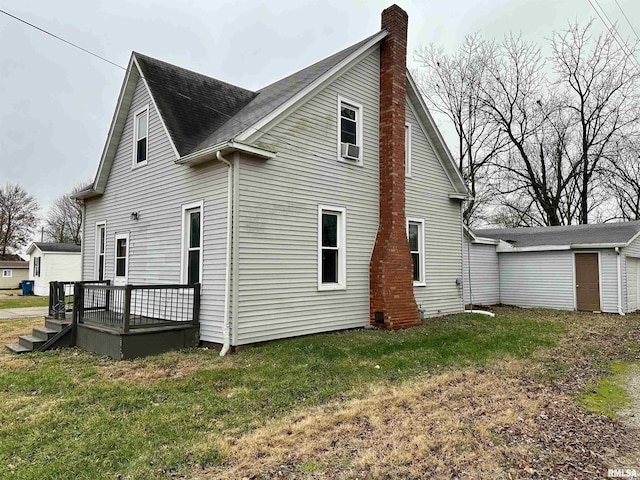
point(141, 137)
point(349, 131)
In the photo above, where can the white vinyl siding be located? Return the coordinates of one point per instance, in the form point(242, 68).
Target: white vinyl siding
point(608, 280)
point(278, 221)
point(427, 197)
point(629, 254)
point(537, 279)
point(157, 192)
point(54, 266)
point(17, 276)
point(407, 150)
point(483, 288)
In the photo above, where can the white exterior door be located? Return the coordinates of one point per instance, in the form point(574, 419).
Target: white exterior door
point(121, 266)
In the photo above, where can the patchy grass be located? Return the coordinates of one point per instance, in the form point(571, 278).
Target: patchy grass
point(460, 396)
point(608, 396)
point(19, 301)
point(10, 330)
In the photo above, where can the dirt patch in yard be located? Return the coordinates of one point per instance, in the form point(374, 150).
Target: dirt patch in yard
point(469, 424)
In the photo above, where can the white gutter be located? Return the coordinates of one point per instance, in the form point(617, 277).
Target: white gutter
point(210, 153)
point(619, 271)
point(506, 247)
point(226, 337)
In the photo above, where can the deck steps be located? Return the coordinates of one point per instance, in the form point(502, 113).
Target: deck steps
point(39, 336)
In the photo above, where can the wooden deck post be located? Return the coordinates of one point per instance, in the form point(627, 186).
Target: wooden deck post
point(60, 303)
point(53, 288)
point(78, 305)
point(127, 308)
point(107, 295)
point(196, 303)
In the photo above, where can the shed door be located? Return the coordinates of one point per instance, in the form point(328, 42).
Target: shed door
point(587, 282)
point(632, 283)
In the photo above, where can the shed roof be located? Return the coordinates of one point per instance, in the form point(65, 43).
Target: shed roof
point(613, 234)
point(17, 264)
point(56, 247)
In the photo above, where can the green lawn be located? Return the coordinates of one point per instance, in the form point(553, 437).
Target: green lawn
point(77, 415)
point(20, 301)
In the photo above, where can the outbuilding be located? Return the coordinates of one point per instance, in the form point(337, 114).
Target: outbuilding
point(576, 267)
point(53, 262)
point(13, 270)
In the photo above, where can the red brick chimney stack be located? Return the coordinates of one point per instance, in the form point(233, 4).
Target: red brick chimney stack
point(392, 304)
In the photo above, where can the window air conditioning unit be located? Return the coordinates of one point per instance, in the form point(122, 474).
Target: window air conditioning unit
point(350, 151)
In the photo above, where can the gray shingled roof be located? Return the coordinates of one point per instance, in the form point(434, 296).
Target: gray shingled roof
point(58, 247)
point(611, 233)
point(192, 105)
point(217, 110)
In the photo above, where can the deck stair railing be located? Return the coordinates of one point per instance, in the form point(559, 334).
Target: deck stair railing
point(61, 298)
point(127, 307)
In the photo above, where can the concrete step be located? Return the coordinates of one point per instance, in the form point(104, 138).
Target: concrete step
point(44, 332)
point(17, 348)
point(31, 342)
point(57, 325)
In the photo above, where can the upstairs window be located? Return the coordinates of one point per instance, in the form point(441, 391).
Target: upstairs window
point(332, 253)
point(415, 234)
point(141, 137)
point(100, 250)
point(349, 131)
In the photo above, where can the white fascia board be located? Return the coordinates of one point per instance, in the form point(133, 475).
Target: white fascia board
point(459, 196)
point(577, 246)
point(486, 241)
point(31, 247)
point(462, 188)
point(632, 239)
point(537, 248)
point(155, 105)
point(261, 125)
point(115, 120)
point(224, 148)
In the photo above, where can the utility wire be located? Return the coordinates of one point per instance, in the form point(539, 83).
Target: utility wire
point(627, 19)
point(62, 39)
point(235, 122)
point(614, 33)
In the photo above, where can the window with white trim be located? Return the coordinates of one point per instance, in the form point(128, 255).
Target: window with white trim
point(141, 136)
point(122, 258)
point(36, 266)
point(332, 251)
point(192, 243)
point(7, 273)
point(101, 244)
point(349, 131)
point(407, 150)
point(415, 234)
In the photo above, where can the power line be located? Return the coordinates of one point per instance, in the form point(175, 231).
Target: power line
point(62, 39)
point(614, 33)
point(235, 122)
point(627, 19)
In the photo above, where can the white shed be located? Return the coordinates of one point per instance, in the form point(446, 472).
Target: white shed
point(575, 267)
point(50, 262)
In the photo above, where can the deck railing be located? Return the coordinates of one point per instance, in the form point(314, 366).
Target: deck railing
point(128, 307)
point(61, 298)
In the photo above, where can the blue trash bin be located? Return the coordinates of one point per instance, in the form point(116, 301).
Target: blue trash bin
point(27, 287)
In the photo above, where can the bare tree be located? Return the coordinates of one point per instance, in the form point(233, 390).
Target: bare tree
point(532, 178)
point(64, 218)
point(18, 214)
point(451, 84)
point(601, 84)
point(623, 185)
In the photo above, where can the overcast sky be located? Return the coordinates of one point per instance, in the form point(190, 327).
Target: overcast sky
point(56, 102)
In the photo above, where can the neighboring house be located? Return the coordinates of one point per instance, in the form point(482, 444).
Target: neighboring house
point(576, 267)
point(12, 272)
point(53, 262)
point(290, 205)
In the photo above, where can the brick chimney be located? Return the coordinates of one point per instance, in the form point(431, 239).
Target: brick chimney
point(392, 303)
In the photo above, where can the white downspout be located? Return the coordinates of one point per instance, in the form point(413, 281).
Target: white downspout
point(226, 327)
point(619, 272)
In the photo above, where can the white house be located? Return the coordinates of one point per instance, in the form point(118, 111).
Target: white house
point(576, 267)
point(53, 262)
point(290, 205)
